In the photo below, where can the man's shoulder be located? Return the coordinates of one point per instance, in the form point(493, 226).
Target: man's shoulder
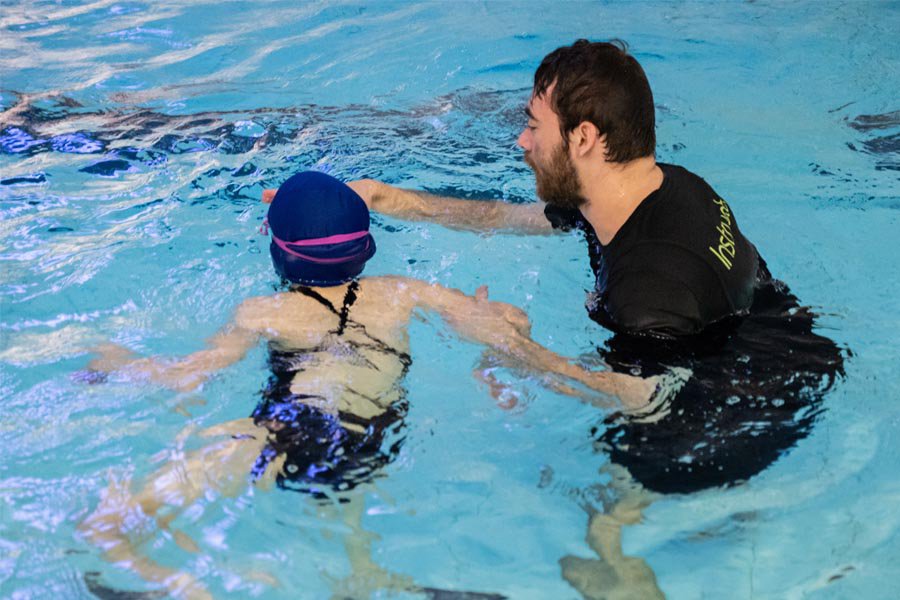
point(683, 189)
point(681, 174)
point(684, 209)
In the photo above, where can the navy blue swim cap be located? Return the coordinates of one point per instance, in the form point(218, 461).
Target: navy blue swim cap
point(320, 231)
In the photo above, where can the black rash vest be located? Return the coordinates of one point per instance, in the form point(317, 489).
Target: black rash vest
point(678, 265)
point(759, 371)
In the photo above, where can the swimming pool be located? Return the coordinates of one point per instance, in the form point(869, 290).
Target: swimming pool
point(136, 138)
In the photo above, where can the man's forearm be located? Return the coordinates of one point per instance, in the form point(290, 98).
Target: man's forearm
point(506, 330)
point(469, 215)
point(455, 213)
point(631, 392)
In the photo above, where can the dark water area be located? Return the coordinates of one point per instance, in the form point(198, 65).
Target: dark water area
point(757, 386)
point(349, 142)
point(882, 139)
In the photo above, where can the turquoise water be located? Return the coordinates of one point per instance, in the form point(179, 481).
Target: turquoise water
point(136, 139)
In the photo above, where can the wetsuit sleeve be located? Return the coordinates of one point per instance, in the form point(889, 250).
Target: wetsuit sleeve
point(563, 219)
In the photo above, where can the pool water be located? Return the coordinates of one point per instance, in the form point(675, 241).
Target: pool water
point(135, 141)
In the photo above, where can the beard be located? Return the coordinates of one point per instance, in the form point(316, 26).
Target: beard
point(557, 183)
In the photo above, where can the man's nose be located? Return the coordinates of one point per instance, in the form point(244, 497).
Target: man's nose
point(524, 141)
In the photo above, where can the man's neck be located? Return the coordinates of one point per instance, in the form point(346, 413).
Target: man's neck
point(615, 191)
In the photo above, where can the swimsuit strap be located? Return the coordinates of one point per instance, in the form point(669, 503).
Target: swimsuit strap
point(311, 293)
point(404, 358)
point(344, 314)
point(349, 299)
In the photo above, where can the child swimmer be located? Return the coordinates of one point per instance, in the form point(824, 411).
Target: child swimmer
point(338, 351)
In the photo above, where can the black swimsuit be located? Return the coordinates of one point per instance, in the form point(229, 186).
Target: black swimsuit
point(320, 451)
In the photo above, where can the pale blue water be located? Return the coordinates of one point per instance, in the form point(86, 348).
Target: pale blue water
point(136, 139)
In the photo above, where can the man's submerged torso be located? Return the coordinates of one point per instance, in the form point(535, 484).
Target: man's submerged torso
point(756, 388)
point(680, 286)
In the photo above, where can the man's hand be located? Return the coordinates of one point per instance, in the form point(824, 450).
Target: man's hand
point(370, 190)
point(513, 315)
point(490, 322)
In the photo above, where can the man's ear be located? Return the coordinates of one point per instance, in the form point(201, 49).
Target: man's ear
point(585, 138)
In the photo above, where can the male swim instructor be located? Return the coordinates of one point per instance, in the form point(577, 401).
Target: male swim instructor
point(667, 253)
point(675, 280)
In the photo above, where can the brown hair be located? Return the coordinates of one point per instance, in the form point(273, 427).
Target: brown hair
point(601, 83)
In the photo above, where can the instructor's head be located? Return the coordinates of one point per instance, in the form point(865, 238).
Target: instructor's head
point(320, 231)
point(588, 88)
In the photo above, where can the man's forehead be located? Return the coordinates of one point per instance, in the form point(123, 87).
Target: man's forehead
point(539, 103)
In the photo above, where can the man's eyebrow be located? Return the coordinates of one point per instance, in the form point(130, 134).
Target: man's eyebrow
point(529, 113)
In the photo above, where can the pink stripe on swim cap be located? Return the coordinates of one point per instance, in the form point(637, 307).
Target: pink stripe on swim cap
point(332, 239)
point(325, 261)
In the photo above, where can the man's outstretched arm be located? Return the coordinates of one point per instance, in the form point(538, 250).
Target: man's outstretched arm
point(455, 213)
point(506, 330)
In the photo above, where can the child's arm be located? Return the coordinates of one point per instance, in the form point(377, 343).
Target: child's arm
point(225, 348)
point(507, 330)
